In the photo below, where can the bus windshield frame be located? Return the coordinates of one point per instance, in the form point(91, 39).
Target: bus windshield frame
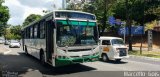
point(74, 15)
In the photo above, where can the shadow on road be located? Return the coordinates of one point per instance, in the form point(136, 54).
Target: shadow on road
point(114, 62)
point(23, 63)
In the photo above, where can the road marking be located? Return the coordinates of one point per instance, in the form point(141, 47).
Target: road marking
point(9, 50)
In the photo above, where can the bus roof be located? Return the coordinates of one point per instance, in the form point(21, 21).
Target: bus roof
point(72, 11)
point(51, 13)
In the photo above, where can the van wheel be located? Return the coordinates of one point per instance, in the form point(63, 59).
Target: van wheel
point(105, 57)
point(118, 60)
point(42, 58)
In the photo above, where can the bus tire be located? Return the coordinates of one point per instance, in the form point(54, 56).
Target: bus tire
point(42, 58)
point(105, 57)
point(26, 51)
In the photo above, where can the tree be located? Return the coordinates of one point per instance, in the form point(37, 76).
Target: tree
point(31, 18)
point(75, 5)
point(14, 32)
point(138, 10)
point(8, 34)
point(135, 10)
point(102, 10)
point(4, 16)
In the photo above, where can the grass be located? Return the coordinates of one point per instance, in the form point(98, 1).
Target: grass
point(154, 54)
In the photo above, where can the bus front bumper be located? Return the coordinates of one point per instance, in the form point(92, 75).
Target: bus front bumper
point(68, 61)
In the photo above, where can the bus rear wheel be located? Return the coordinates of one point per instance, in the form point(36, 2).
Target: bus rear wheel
point(42, 58)
point(26, 51)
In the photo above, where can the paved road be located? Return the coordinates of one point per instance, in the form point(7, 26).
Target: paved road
point(16, 62)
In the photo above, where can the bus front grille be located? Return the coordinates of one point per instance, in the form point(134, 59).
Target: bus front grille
point(76, 50)
point(79, 56)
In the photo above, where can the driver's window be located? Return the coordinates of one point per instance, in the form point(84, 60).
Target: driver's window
point(106, 42)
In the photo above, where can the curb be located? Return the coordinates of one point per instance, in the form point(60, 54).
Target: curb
point(6, 52)
point(144, 57)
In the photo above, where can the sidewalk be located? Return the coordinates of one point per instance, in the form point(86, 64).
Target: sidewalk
point(3, 49)
point(145, 49)
point(144, 57)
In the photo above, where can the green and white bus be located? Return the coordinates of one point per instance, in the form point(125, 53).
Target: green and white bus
point(62, 37)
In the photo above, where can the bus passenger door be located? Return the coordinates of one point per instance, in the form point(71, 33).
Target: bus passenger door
point(49, 40)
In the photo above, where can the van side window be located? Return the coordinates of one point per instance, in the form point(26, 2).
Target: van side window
point(106, 42)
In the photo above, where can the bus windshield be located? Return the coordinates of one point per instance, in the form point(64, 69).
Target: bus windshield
point(76, 33)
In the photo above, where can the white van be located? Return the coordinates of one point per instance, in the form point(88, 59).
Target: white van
point(113, 48)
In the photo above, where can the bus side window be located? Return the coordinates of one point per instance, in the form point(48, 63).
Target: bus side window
point(28, 32)
point(25, 34)
point(106, 42)
point(31, 32)
point(42, 30)
point(38, 30)
point(35, 31)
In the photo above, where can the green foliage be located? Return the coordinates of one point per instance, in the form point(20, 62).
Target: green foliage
point(14, 32)
point(17, 37)
point(102, 9)
point(4, 16)
point(74, 5)
point(8, 34)
point(135, 9)
point(2, 28)
point(150, 25)
point(31, 18)
point(139, 10)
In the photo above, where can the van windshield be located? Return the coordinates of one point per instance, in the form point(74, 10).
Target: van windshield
point(117, 41)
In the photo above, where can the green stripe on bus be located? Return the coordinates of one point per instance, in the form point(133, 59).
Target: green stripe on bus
point(62, 21)
point(92, 23)
point(62, 62)
point(82, 23)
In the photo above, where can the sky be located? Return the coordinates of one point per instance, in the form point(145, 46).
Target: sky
point(20, 9)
